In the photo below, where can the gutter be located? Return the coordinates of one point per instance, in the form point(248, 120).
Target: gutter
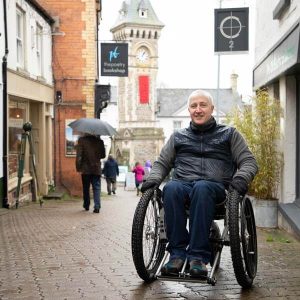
point(5, 106)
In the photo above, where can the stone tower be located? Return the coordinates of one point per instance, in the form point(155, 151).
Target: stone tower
point(138, 137)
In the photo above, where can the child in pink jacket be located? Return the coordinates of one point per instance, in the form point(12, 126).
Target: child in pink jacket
point(138, 170)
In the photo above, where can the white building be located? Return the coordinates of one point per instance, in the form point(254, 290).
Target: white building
point(172, 112)
point(277, 57)
point(30, 93)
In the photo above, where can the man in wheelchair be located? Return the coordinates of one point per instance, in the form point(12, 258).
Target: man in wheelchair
point(208, 159)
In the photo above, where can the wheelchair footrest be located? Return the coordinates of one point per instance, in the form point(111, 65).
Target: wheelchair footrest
point(187, 278)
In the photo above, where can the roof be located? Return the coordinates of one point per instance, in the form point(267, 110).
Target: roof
point(170, 101)
point(41, 10)
point(129, 14)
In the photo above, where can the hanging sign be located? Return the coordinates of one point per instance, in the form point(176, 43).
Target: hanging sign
point(231, 30)
point(114, 59)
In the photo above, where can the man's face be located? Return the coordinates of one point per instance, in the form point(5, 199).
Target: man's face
point(200, 110)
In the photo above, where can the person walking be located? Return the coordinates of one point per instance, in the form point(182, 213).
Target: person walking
point(111, 171)
point(138, 170)
point(89, 151)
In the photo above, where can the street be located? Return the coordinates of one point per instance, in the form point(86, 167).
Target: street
point(60, 251)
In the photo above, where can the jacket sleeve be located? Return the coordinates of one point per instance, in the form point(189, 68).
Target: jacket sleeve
point(104, 169)
point(117, 169)
point(102, 152)
point(79, 156)
point(243, 158)
point(165, 162)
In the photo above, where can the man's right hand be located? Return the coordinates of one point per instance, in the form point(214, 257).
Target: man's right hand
point(147, 185)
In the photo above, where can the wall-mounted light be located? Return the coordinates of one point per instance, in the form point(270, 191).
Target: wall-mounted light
point(58, 96)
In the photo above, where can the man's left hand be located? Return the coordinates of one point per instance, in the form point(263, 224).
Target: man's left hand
point(240, 185)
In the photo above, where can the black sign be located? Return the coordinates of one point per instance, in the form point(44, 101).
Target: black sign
point(114, 59)
point(231, 30)
point(281, 59)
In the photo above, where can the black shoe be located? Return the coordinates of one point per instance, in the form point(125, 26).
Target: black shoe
point(86, 207)
point(114, 192)
point(198, 268)
point(173, 267)
point(96, 210)
point(108, 193)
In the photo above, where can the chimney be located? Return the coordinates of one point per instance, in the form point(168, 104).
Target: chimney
point(233, 80)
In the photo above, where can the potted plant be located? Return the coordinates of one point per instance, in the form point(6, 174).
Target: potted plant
point(259, 123)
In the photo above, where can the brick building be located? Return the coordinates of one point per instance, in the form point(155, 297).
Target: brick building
point(75, 73)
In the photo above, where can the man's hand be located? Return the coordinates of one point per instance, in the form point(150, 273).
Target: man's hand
point(147, 185)
point(240, 185)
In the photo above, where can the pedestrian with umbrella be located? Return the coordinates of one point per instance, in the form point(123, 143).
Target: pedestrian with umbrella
point(89, 152)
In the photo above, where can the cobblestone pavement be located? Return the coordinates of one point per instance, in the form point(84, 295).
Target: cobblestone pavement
point(60, 251)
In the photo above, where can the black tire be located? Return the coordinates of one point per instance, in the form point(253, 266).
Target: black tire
point(214, 235)
point(243, 239)
point(147, 249)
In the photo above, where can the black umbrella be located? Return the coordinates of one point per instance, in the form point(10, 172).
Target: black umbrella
point(93, 126)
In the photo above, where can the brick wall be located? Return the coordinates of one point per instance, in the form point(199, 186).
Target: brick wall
point(24, 197)
point(75, 72)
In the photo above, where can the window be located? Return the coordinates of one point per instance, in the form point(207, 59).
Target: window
point(39, 47)
point(17, 117)
point(143, 13)
point(176, 125)
point(20, 38)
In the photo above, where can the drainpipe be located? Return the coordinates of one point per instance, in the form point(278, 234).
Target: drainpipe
point(4, 77)
point(98, 18)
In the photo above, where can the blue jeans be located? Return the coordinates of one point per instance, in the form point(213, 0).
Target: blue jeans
point(201, 197)
point(94, 180)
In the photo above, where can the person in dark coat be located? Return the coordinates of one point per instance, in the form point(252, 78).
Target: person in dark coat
point(207, 158)
point(89, 151)
point(111, 171)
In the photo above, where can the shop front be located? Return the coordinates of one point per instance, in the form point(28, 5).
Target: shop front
point(29, 101)
point(279, 72)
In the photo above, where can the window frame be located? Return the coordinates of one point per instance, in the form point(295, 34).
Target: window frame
point(20, 37)
point(39, 48)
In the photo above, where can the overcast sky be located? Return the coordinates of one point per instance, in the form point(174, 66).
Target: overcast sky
point(187, 42)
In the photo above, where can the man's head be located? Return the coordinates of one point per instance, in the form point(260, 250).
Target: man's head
point(200, 106)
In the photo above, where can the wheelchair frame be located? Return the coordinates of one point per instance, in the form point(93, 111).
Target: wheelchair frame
point(149, 240)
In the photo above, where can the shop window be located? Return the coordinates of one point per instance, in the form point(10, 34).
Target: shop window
point(16, 121)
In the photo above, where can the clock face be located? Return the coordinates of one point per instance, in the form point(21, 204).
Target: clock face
point(143, 55)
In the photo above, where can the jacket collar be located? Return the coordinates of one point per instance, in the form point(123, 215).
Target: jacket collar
point(210, 124)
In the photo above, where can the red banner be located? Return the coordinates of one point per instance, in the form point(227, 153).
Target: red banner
point(144, 89)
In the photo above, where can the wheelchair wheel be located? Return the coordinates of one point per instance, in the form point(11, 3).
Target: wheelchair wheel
point(243, 239)
point(147, 248)
point(214, 235)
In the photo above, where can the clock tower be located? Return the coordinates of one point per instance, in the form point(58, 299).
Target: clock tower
point(138, 137)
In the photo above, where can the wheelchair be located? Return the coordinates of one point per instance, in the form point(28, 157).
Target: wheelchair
point(149, 242)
